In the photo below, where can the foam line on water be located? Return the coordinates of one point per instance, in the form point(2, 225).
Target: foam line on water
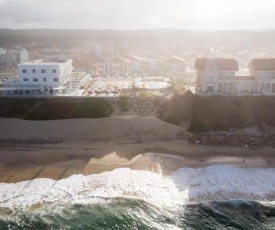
point(186, 185)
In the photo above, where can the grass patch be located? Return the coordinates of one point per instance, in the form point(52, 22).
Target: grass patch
point(8, 71)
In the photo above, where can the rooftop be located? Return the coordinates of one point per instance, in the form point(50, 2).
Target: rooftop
point(116, 60)
point(173, 60)
point(267, 64)
point(54, 60)
point(245, 78)
point(222, 64)
point(83, 64)
point(132, 57)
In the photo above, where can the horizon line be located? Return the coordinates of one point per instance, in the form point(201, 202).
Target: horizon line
point(193, 30)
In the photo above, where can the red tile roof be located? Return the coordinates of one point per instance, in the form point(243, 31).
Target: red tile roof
point(83, 64)
point(223, 64)
point(245, 78)
point(132, 57)
point(201, 63)
point(173, 60)
point(267, 64)
point(226, 64)
point(116, 60)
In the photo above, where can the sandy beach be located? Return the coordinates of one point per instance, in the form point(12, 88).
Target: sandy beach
point(26, 161)
point(59, 149)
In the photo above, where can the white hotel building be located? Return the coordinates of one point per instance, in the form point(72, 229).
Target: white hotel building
point(40, 76)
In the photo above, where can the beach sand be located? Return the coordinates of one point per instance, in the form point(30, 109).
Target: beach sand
point(59, 149)
point(22, 161)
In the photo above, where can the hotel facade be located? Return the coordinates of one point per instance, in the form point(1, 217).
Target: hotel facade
point(41, 75)
point(219, 76)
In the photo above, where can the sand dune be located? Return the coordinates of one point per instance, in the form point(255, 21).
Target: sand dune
point(114, 128)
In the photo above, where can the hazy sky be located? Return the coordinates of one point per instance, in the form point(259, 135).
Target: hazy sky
point(138, 14)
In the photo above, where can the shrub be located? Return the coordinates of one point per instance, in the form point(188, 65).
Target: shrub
point(198, 126)
point(123, 103)
point(54, 109)
point(93, 108)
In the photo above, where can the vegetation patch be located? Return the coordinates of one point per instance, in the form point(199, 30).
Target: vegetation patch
point(54, 108)
point(218, 113)
point(123, 103)
point(93, 108)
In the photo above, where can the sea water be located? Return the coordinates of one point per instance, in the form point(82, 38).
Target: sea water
point(216, 197)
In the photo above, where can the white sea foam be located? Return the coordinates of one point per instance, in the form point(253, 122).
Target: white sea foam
point(219, 182)
point(86, 189)
point(223, 182)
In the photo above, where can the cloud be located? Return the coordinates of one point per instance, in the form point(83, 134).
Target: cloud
point(137, 14)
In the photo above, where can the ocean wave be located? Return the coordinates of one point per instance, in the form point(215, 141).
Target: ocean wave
point(185, 186)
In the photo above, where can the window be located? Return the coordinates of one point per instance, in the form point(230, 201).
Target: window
point(55, 79)
point(262, 86)
point(54, 70)
point(35, 79)
point(24, 71)
point(33, 70)
point(225, 87)
point(44, 79)
point(220, 87)
point(43, 71)
point(227, 75)
point(268, 86)
point(25, 79)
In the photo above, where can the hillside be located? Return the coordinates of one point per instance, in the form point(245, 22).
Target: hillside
point(62, 37)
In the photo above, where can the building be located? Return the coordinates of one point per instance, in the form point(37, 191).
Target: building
point(264, 72)
point(40, 76)
point(248, 84)
point(11, 58)
point(219, 76)
point(103, 50)
point(216, 75)
point(141, 65)
point(2, 51)
point(173, 65)
point(116, 65)
point(78, 80)
point(80, 66)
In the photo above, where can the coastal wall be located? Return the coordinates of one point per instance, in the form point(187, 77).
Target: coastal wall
point(105, 129)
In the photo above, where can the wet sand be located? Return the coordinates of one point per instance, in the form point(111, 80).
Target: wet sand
point(27, 161)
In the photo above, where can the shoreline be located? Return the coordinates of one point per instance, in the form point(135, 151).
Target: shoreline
point(25, 161)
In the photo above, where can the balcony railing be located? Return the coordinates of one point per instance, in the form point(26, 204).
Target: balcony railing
point(209, 80)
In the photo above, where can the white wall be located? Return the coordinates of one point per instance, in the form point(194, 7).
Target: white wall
point(24, 56)
point(63, 72)
point(8, 60)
